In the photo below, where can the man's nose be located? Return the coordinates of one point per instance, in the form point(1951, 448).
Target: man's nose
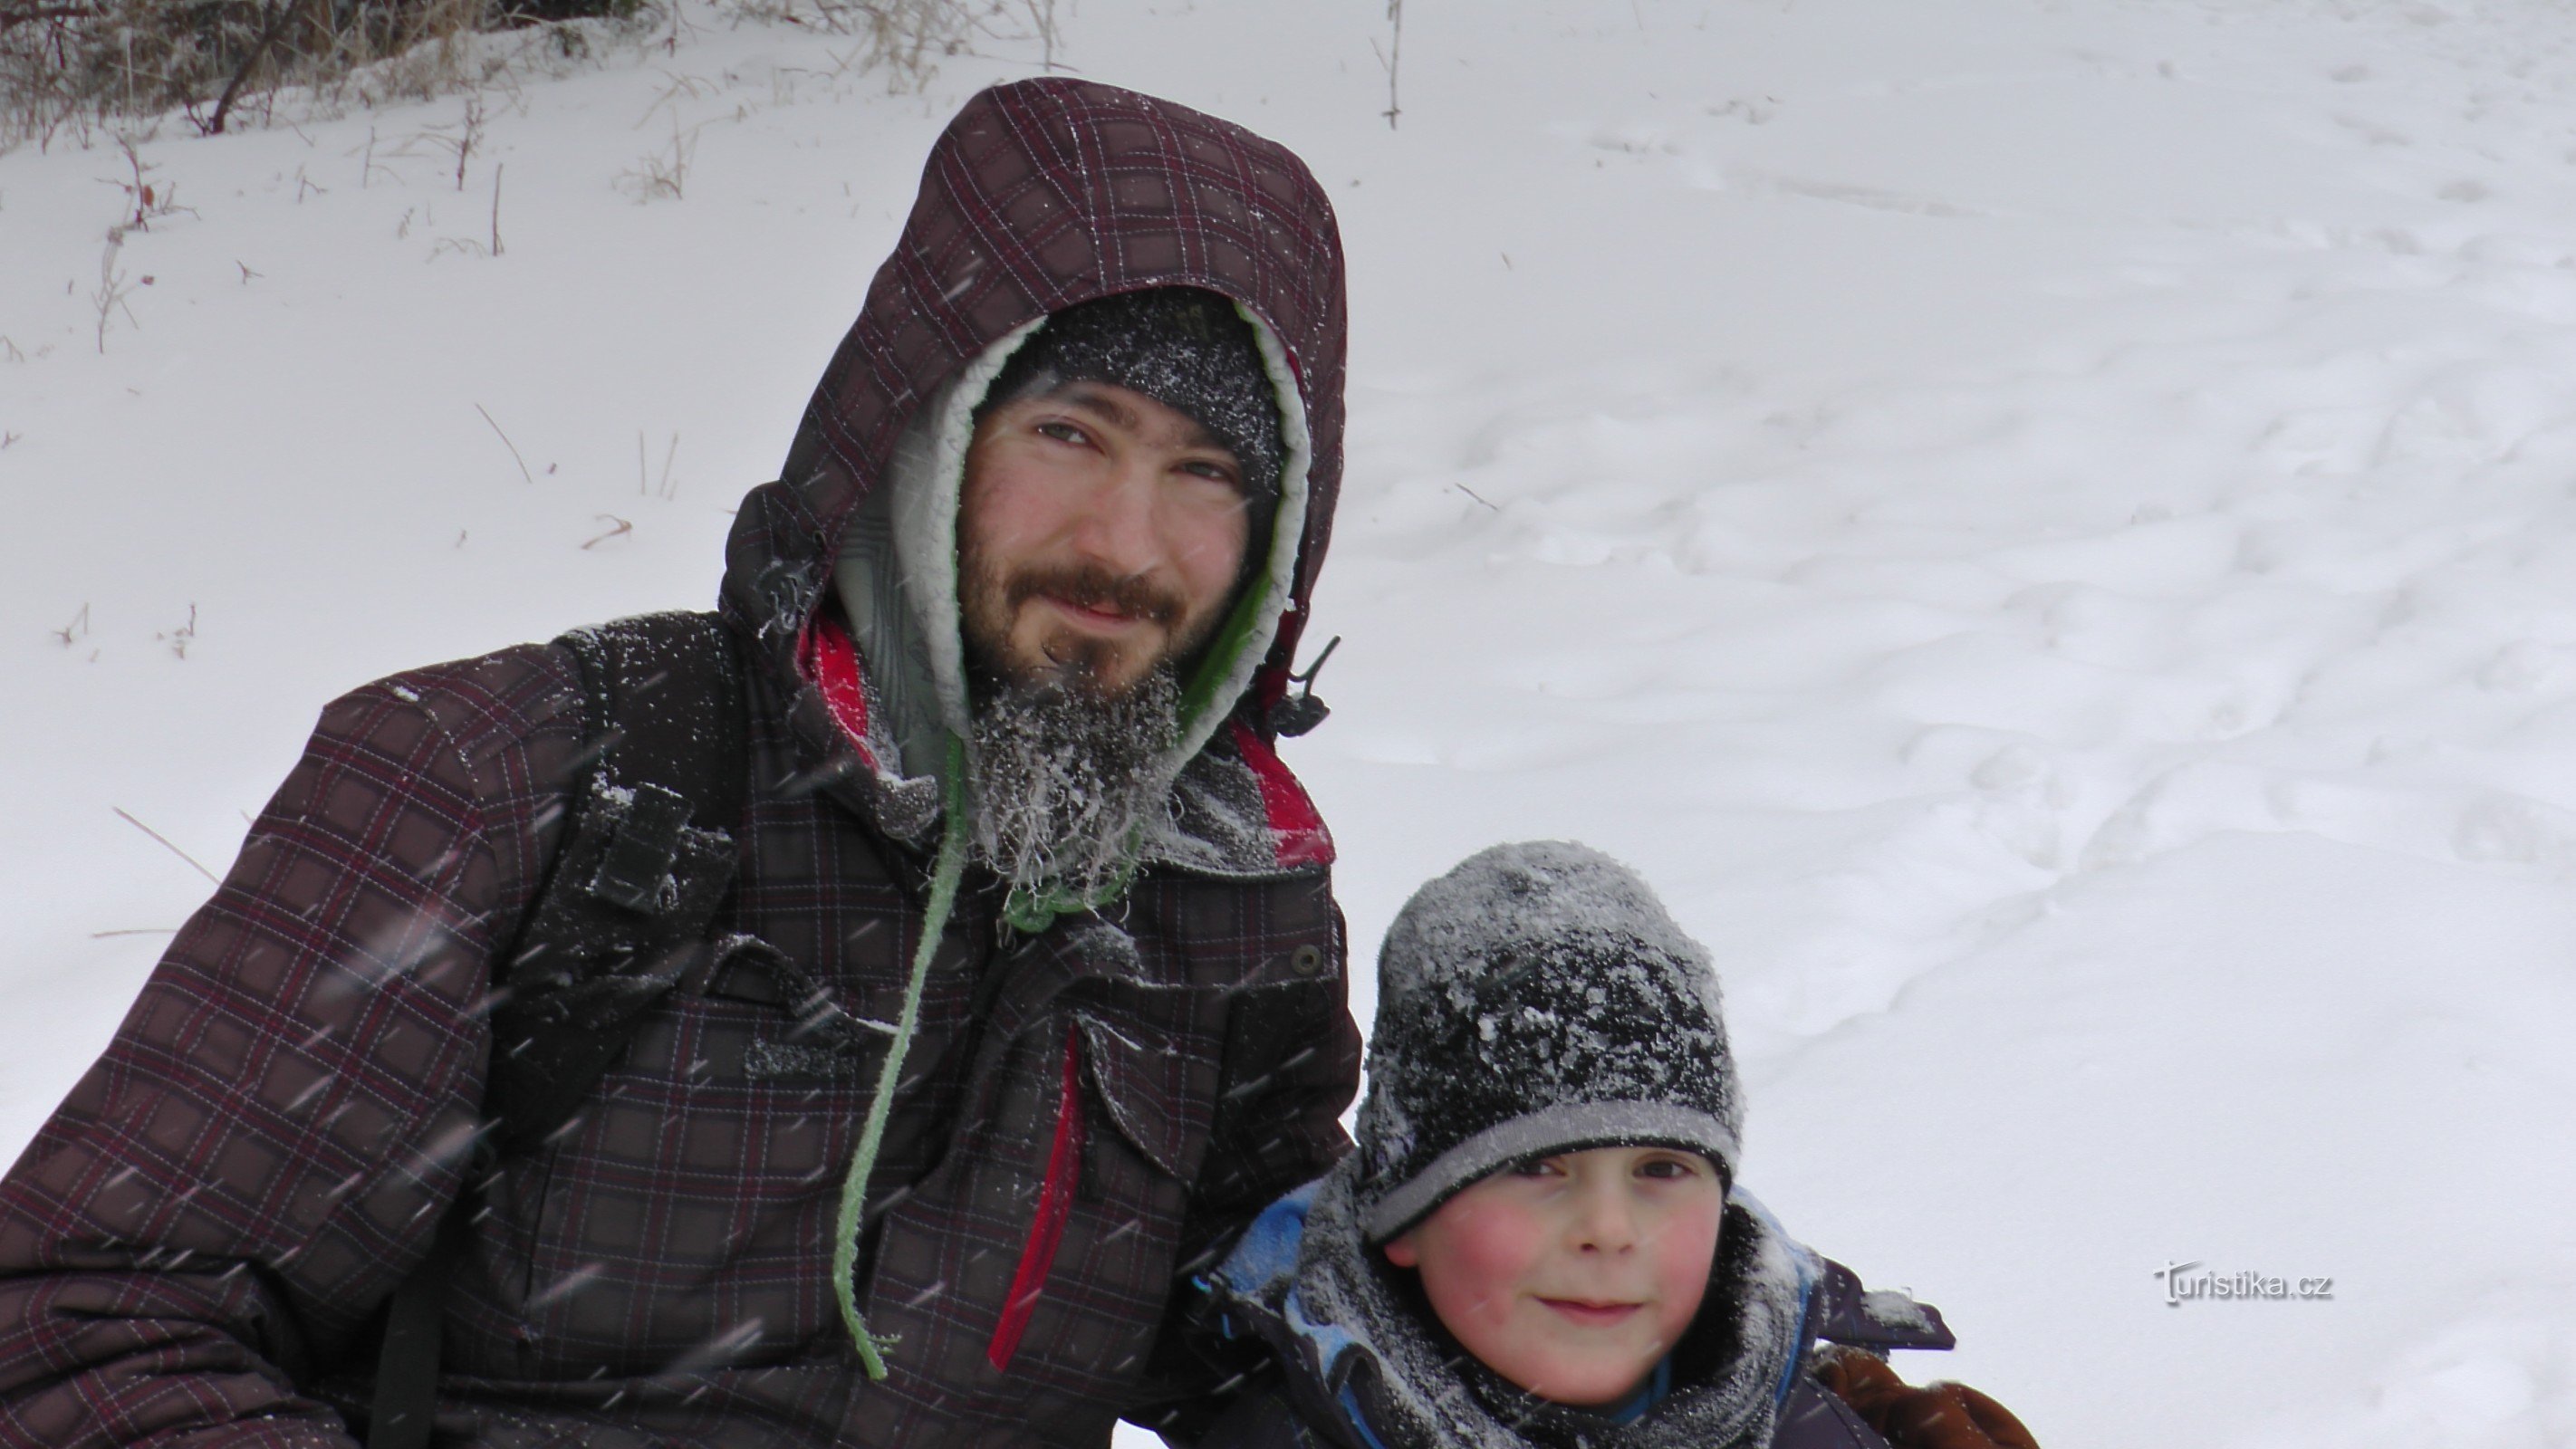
point(1116, 526)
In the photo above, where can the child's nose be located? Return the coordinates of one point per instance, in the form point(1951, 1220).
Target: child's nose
point(1605, 1220)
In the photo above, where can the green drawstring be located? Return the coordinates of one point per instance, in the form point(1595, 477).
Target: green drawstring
point(1030, 912)
point(1027, 912)
point(854, 1188)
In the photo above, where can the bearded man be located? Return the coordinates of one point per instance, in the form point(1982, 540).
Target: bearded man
point(839, 1019)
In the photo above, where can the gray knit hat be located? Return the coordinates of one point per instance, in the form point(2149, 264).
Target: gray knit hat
point(1536, 1000)
point(1187, 349)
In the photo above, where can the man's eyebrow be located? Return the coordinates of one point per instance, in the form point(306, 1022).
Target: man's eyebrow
point(1091, 398)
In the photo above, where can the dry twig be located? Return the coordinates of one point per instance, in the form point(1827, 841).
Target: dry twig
point(513, 447)
point(112, 291)
point(1391, 58)
point(165, 843)
point(180, 638)
point(268, 34)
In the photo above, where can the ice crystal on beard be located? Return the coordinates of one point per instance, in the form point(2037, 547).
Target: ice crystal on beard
point(1063, 778)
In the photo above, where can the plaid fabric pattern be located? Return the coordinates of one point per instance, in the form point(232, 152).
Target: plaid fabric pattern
point(284, 1111)
point(1041, 194)
point(195, 1242)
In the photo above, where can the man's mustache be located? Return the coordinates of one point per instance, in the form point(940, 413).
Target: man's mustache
point(1090, 586)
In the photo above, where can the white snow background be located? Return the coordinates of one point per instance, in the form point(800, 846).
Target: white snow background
point(2045, 528)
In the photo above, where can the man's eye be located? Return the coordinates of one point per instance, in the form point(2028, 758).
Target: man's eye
point(1213, 471)
point(1062, 432)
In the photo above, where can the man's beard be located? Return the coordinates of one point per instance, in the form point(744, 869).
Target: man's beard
point(1066, 770)
point(1064, 779)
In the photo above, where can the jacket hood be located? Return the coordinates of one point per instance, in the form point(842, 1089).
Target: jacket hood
point(1361, 1365)
point(1039, 195)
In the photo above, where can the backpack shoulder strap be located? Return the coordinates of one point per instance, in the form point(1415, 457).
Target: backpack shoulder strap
point(645, 860)
point(663, 707)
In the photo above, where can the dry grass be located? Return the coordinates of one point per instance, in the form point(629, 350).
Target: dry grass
point(665, 173)
point(218, 64)
point(125, 65)
point(905, 40)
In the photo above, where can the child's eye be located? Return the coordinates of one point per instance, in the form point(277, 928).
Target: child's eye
point(1666, 1168)
point(1539, 1167)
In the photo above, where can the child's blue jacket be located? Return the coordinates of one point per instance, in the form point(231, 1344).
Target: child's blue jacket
point(1355, 1366)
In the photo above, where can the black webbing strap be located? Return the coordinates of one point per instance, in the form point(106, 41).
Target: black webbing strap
point(646, 860)
point(406, 1399)
point(646, 857)
point(671, 689)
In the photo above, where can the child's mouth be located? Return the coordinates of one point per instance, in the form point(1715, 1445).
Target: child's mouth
point(1591, 1315)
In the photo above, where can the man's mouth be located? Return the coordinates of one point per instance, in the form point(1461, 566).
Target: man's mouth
point(1590, 1313)
point(1093, 599)
point(1102, 615)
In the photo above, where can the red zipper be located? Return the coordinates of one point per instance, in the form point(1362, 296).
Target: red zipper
point(1055, 1204)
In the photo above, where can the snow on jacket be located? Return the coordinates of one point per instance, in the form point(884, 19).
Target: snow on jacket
point(1359, 1367)
point(193, 1245)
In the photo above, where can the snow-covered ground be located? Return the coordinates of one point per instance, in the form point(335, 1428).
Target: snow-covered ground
point(2047, 526)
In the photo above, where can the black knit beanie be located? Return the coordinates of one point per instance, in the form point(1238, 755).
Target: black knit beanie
point(1185, 348)
point(1536, 1000)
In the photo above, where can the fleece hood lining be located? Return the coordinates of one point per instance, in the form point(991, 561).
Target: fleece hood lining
point(925, 512)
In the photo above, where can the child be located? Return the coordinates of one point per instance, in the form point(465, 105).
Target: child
point(1536, 1242)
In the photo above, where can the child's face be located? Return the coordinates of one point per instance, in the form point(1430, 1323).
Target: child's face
point(1574, 1275)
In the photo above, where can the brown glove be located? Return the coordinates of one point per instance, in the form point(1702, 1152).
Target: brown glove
point(1935, 1416)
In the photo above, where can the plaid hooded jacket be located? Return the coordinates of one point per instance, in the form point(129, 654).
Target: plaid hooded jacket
point(192, 1248)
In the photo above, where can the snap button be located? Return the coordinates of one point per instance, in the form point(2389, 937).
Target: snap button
point(1306, 960)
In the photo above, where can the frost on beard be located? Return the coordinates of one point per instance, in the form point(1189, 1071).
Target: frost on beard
point(1063, 779)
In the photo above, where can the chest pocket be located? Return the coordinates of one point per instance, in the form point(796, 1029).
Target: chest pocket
point(1152, 1090)
point(679, 1217)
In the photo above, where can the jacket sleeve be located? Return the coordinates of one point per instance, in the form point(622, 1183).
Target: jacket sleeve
point(263, 1150)
point(1262, 1419)
point(1292, 1066)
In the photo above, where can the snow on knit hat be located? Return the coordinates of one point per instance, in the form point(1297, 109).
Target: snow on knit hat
point(1188, 349)
point(1536, 1000)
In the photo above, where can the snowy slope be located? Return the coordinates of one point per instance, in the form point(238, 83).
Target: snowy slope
point(2044, 525)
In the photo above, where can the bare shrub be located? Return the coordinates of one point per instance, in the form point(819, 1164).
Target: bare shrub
point(665, 173)
point(86, 62)
point(907, 39)
point(218, 63)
